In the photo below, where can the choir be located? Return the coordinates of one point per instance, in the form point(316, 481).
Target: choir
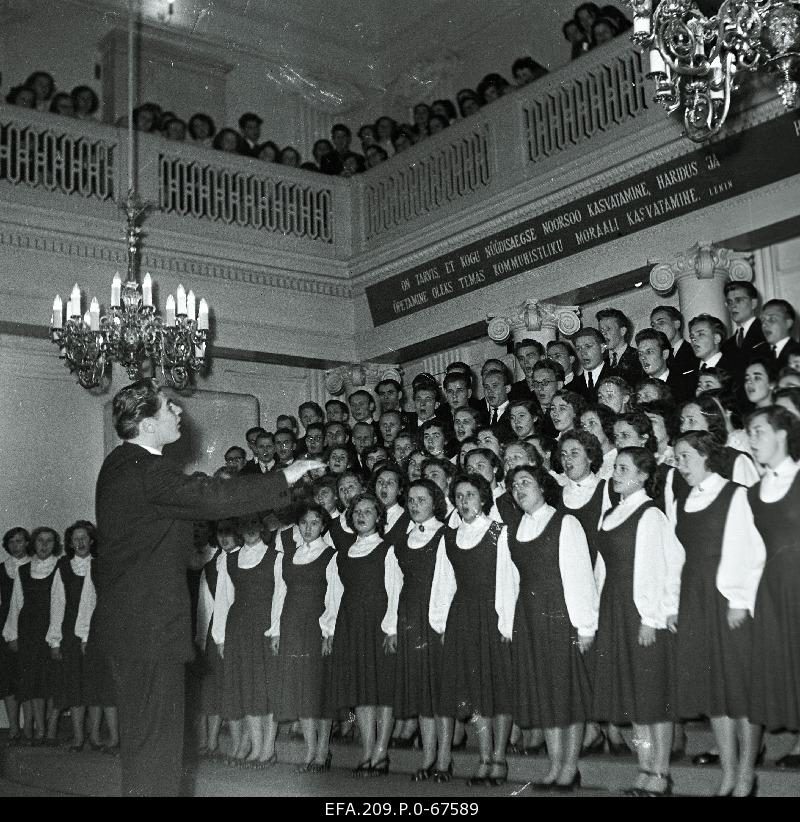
point(598, 554)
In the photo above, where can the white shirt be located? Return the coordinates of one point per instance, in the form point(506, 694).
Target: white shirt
point(780, 345)
point(712, 360)
point(745, 326)
point(306, 553)
point(40, 568)
point(444, 587)
point(776, 481)
point(657, 564)
point(392, 581)
point(501, 409)
point(574, 564)
point(248, 556)
point(743, 550)
point(595, 372)
point(266, 467)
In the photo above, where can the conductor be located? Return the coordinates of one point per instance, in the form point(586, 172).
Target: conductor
point(145, 507)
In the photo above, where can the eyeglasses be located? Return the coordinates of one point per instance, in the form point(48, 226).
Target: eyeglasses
point(543, 383)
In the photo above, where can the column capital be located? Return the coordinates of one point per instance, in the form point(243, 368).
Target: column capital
point(703, 261)
point(348, 378)
point(532, 316)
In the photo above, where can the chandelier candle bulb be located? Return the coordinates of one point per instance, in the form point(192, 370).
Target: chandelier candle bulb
point(170, 322)
point(202, 316)
point(87, 320)
point(57, 308)
point(75, 302)
point(641, 25)
point(181, 303)
point(116, 288)
point(190, 305)
point(94, 314)
point(147, 290)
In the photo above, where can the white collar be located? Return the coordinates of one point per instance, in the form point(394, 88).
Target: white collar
point(429, 526)
point(150, 449)
point(43, 566)
point(589, 481)
point(711, 484)
point(595, 372)
point(779, 346)
point(786, 468)
point(634, 500)
point(81, 565)
point(480, 523)
point(543, 512)
point(712, 360)
point(619, 350)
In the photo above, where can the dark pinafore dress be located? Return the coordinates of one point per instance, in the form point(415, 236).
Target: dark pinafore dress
point(71, 669)
point(9, 661)
point(552, 688)
point(631, 683)
point(775, 678)
point(211, 669)
point(342, 540)
point(588, 515)
point(361, 672)
point(302, 671)
point(712, 661)
point(419, 648)
point(248, 667)
point(38, 676)
point(476, 663)
point(398, 530)
point(98, 682)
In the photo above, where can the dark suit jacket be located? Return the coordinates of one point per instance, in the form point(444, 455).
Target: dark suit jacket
point(628, 367)
point(253, 467)
point(521, 391)
point(727, 362)
point(753, 344)
point(791, 347)
point(685, 361)
point(681, 385)
point(145, 508)
point(578, 384)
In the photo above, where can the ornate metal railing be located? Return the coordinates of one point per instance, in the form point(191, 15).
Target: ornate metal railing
point(44, 156)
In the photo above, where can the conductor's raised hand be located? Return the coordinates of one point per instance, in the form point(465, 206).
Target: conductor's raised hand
point(299, 468)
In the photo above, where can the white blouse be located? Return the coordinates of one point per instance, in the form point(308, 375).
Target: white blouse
point(574, 564)
point(392, 515)
point(657, 564)
point(776, 481)
point(40, 568)
point(743, 550)
point(577, 494)
point(392, 580)
point(248, 556)
point(305, 554)
point(444, 587)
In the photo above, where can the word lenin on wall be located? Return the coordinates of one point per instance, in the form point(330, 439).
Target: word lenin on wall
point(739, 164)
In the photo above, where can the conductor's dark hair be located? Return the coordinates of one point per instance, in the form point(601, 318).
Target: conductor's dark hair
point(132, 404)
point(90, 530)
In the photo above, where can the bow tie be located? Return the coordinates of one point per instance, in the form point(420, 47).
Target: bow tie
point(421, 527)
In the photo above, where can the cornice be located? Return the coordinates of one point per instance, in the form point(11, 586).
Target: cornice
point(33, 239)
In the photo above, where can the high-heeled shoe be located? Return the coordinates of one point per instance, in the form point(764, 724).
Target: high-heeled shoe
point(499, 774)
point(440, 777)
point(424, 774)
point(380, 768)
point(362, 769)
point(481, 777)
point(567, 787)
point(596, 746)
point(667, 785)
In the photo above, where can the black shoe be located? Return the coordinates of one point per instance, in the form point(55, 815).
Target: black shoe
point(499, 774)
point(380, 768)
point(789, 761)
point(404, 742)
point(443, 776)
point(461, 746)
point(535, 750)
point(362, 769)
point(424, 774)
point(761, 756)
point(706, 758)
point(481, 777)
point(596, 746)
point(569, 787)
point(677, 754)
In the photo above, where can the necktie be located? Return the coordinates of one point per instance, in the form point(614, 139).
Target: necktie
point(703, 366)
point(589, 380)
point(739, 337)
point(774, 350)
point(613, 359)
point(494, 415)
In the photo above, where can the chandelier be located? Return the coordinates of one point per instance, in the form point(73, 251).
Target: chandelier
point(132, 333)
point(695, 59)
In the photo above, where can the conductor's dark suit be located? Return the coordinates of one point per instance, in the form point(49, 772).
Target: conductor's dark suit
point(145, 508)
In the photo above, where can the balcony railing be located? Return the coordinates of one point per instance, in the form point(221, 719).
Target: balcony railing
point(527, 138)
